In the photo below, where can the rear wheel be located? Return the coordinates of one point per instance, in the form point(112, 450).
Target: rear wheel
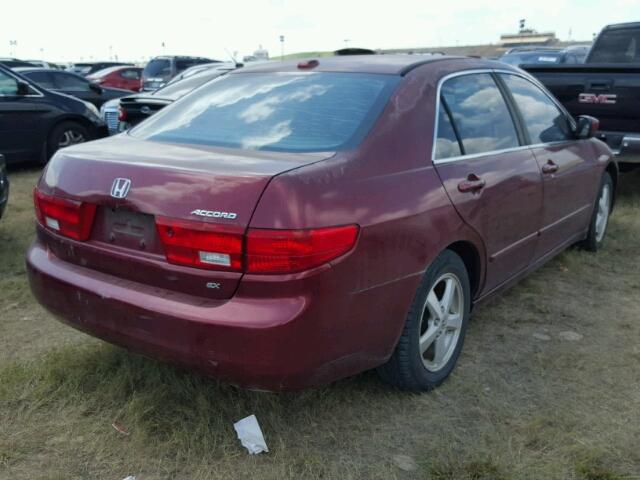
point(64, 135)
point(600, 216)
point(434, 331)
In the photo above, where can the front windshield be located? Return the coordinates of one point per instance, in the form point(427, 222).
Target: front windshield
point(275, 111)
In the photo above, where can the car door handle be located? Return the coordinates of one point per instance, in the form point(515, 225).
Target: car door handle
point(472, 184)
point(550, 167)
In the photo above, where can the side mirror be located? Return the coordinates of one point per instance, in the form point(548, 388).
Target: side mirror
point(96, 88)
point(586, 127)
point(22, 88)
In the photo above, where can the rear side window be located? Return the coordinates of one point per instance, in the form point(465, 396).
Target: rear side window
point(543, 120)
point(616, 46)
point(70, 82)
point(480, 114)
point(447, 144)
point(275, 111)
point(131, 74)
point(43, 79)
point(190, 62)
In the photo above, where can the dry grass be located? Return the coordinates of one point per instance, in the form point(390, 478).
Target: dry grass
point(516, 408)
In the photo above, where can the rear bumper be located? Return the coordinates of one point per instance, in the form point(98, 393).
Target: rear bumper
point(262, 343)
point(626, 147)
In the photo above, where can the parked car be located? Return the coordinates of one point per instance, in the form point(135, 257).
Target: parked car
point(546, 56)
point(136, 108)
point(35, 122)
point(4, 185)
point(606, 86)
point(124, 78)
point(81, 68)
point(291, 223)
point(160, 70)
point(71, 84)
point(14, 62)
point(87, 68)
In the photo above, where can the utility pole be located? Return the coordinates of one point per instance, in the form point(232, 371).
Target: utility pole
point(13, 44)
point(281, 47)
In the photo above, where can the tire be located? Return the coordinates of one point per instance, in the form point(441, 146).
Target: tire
point(600, 216)
point(66, 134)
point(408, 368)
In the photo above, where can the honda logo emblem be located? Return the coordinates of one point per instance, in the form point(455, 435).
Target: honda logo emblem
point(120, 187)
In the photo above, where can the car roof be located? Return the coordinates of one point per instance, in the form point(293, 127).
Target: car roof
point(39, 69)
point(616, 26)
point(384, 64)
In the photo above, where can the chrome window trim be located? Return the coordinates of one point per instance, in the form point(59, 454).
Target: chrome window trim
point(31, 85)
point(472, 156)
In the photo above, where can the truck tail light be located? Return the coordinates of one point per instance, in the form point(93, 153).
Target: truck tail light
point(201, 245)
point(122, 114)
point(69, 218)
point(260, 251)
point(290, 251)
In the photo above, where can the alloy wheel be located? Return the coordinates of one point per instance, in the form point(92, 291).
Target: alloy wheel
point(602, 215)
point(441, 322)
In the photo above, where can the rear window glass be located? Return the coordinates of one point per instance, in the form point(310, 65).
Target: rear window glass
point(531, 58)
point(157, 68)
point(617, 46)
point(276, 111)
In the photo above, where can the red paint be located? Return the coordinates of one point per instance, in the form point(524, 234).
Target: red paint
point(292, 330)
point(118, 77)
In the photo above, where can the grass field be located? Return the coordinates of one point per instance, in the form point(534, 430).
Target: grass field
point(524, 402)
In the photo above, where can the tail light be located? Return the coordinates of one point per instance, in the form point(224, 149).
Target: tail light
point(67, 217)
point(288, 251)
point(122, 114)
point(201, 245)
point(260, 251)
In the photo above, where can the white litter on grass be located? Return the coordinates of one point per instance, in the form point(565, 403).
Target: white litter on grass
point(405, 462)
point(250, 435)
point(541, 336)
point(130, 477)
point(570, 336)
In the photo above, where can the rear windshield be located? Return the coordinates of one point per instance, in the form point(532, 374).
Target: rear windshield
point(275, 111)
point(617, 46)
point(159, 67)
point(531, 58)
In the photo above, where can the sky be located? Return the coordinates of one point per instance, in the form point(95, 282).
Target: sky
point(68, 30)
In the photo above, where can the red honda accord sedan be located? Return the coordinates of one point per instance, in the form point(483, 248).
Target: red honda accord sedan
point(291, 224)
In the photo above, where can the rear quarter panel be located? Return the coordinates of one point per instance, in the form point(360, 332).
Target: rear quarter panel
point(389, 187)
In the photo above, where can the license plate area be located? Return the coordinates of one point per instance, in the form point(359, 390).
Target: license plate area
point(127, 229)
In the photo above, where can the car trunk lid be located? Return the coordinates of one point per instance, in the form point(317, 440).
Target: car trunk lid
point(215, 187)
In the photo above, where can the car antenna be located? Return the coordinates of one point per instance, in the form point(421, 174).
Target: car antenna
point(233, 58)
